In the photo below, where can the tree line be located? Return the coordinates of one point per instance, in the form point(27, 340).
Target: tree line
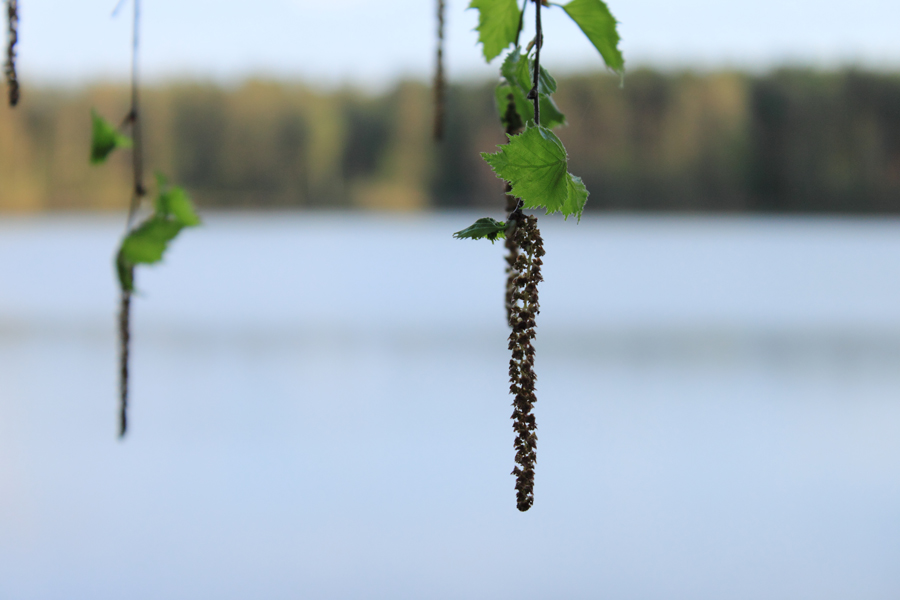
point(787, 141)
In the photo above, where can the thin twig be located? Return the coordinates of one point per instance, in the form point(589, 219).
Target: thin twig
point(9, 67)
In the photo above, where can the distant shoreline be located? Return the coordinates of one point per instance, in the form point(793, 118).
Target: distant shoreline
point(796, 141)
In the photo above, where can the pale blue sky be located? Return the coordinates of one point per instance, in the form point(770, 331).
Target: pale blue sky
point(372, 43)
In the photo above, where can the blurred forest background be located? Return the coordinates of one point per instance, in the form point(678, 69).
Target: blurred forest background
point(787, 141)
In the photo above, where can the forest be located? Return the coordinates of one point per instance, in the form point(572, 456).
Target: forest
point(786, 141)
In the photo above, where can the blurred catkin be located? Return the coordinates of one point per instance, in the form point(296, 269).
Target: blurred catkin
point(124, 344)
point(439, 80)
point(9, 67)
point(513, 127)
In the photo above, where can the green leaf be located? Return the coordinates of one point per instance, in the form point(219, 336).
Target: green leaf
point(147, 243)
point(551, 117)
point(483, 228)
point(518, 70)
point(498, 23)
point(174, 202)
point(536, 166)
point(177, 204)
point(515, 69)
point(598, 24)
point(125, 272)
point(105, 139)
point(523, 106)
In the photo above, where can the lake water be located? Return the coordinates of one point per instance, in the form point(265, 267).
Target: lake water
point(320, 411)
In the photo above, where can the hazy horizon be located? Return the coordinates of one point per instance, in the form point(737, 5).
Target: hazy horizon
point(466, 80)
point(372, 46)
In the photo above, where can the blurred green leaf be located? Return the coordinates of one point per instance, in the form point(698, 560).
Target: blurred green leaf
point(518, 71)
point(147, 243)
point(536, 166)
point(483, 228)
point(174, 202)
point(498, 23)
point(125, 272)
point(598, 24)
point(179, 206)
point(104, 139)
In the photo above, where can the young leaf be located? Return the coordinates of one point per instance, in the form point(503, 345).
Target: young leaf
point(551, 117)
point(125, 272)
point(498, 23)
point(598, 24)
point(483, 228)
point(174, 202)
point(105, 139)
point(536, 166)
point(504, 94)
point(147, 243)
point(144, 245)
point(518, 70)
point(178, 205)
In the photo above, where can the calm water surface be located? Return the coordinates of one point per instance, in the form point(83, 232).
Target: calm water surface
point(320, 410)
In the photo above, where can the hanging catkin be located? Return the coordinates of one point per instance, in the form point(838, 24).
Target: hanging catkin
point(124, 344)
point(138, 192)
point(439, 83)
point(525, 307)
point(9, 67)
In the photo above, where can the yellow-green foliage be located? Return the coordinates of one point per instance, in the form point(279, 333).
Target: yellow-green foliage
point(791, 140)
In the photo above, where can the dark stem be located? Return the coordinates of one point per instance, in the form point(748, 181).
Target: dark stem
point(9, 68)
point(124, 342)
point(539, 41)
point(439, 83)
point(138, 191)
